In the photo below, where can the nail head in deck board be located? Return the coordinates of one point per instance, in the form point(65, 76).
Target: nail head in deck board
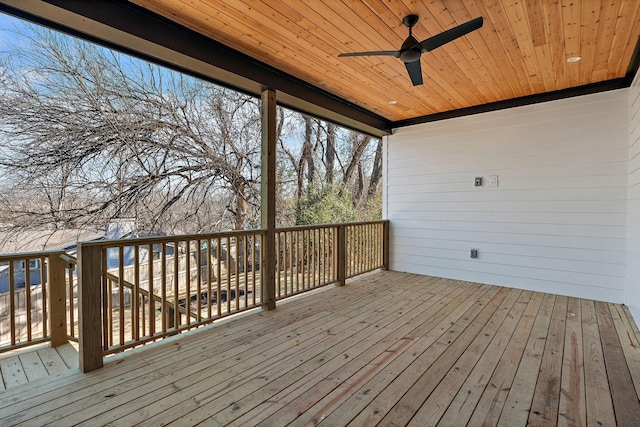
point(625, 399)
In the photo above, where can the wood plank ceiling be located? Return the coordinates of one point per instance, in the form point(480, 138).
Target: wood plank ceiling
point(521, 50)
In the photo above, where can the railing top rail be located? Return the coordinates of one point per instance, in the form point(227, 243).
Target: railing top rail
point(378, 221)
point(332, 225)
point(305, 227)
point(171, 239)
point(23, 255)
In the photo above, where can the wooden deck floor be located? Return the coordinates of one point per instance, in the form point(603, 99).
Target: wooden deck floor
point(32, 363)
point(389, 349)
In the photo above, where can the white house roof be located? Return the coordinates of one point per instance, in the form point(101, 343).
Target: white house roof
point(45, 239)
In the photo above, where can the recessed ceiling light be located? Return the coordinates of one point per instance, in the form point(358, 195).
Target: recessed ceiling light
point(393, 102)
point(574, 59)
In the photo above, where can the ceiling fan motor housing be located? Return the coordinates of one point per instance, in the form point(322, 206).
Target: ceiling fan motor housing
point(410, 50)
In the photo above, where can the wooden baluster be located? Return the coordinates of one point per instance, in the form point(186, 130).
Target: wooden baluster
point(187, 280)
point(163, 289)
point(175, 311)
point(135, 297)
point(385, 245)
point(219, 278)
point(209, 271)
point(342, 251)
point(72, 316)
point(121, 304)
point(151, 289)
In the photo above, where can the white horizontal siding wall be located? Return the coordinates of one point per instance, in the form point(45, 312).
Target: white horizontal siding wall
point(555, 223)
point(633, 260)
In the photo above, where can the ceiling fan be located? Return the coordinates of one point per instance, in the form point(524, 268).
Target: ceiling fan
point(411, 49)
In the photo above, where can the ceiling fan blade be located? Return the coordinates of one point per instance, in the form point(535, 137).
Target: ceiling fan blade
point(445, 37)
point(415, 72)
point(395, 53)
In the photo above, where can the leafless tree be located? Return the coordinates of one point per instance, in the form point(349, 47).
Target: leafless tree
point(89, 135)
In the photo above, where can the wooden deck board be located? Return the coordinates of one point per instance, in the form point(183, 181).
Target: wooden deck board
point(518, 403)
point(572, 408)
point(476, 381)
point(388, 349)
point(546, 397)
point(623, 394)
point(489, 407)
point(598, 395)
point(33, 366)
point(12, 372)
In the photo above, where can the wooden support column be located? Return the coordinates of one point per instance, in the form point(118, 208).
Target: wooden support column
point(57, 300)
point(90, 307)
point(268, 198)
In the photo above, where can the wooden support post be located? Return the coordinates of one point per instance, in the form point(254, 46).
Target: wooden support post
point(342, 254)
point(385, 246)
point(90, 307)
point(268, 197)
point(57, 300)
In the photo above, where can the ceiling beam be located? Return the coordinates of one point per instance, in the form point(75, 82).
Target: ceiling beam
point(519, 102)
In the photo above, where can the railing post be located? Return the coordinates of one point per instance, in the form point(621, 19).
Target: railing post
point(90, 307)
point(57, 301)
point(342, 254)
point(385, 245)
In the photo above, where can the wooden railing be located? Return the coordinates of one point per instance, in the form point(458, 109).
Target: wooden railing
point(37, 292)
point(309, 257)
point(130, 292)
point(366, 246)
point(152, 288)
point(306, 258)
